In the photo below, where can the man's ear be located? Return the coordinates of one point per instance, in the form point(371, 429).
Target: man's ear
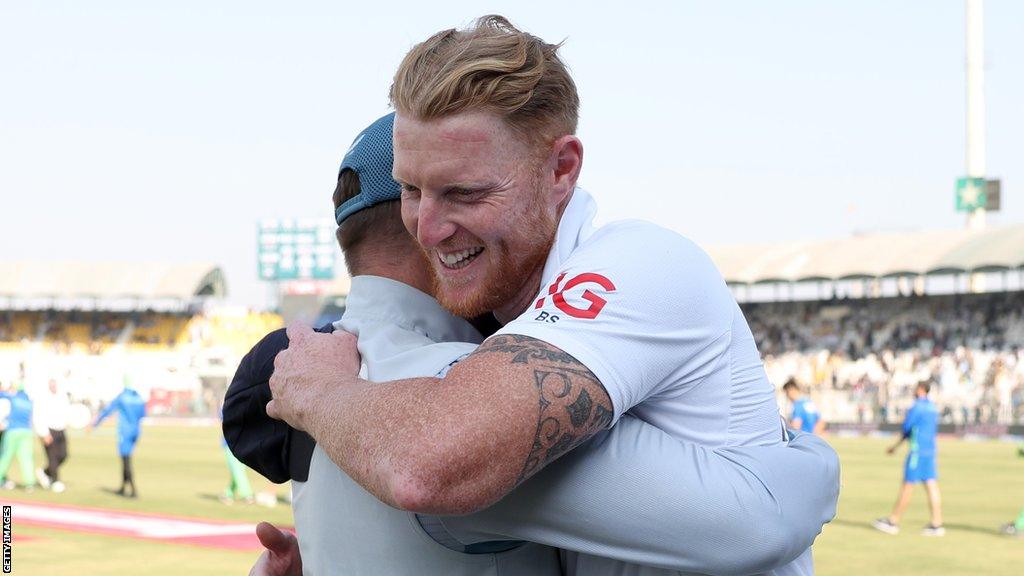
point(564, 165)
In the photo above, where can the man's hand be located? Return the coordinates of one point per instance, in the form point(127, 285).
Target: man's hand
point(47, 440)
point(311, 362)
point(281, 557)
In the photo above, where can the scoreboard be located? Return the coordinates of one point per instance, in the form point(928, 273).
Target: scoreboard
point(296, 249)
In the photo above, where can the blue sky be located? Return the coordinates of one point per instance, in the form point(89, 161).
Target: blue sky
point(166, 131)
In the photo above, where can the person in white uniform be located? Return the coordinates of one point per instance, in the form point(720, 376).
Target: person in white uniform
point(634, 494)
point(50, 418)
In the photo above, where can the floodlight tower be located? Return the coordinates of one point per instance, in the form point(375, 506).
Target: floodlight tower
point(975, 102)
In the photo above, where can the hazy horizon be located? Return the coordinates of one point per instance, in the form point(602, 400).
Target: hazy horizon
point(167, 132)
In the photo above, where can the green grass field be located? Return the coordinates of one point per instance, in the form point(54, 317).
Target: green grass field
point(982, 487)
point(181, 471)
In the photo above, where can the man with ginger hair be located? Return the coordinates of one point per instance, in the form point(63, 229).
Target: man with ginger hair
point(589, 500)
point(629, 317)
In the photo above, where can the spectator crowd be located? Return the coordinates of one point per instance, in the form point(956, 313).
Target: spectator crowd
point(862, 358)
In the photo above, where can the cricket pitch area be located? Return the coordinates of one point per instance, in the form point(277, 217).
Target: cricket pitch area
point(178, 524)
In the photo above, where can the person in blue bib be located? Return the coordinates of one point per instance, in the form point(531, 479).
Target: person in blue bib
point(131, 408)
point(805, 416)
point(920, 427)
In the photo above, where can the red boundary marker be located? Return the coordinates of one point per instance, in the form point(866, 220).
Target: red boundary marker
point(207, 533)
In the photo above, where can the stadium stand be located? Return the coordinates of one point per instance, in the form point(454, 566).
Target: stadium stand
point(859, 321)
point(862, 357)
point(877, 256)
point(93, 325)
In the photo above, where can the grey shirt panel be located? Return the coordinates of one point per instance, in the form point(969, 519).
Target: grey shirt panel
point(343, 529)
point(635, 496)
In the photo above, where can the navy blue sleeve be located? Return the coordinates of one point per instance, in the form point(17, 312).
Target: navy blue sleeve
point(270, 447)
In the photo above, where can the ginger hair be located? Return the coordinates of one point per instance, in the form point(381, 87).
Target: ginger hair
point(491, 66)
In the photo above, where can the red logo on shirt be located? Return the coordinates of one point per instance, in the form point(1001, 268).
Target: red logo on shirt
point(557, 290)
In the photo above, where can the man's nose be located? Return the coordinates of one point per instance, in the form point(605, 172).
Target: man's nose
point(434, 225)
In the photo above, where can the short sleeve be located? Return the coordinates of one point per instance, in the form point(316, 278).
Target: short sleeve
point(640, 306)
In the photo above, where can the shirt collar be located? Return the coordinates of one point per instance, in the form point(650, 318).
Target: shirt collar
point(575, 226)
point(376, 298)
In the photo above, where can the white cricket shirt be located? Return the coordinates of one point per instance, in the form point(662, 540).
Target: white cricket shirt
point(648, 313)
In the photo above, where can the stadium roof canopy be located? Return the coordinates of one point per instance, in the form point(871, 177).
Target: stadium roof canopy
point(874, 256)
point(110, 280)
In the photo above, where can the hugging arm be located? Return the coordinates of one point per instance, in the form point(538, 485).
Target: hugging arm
point(430, 444)
point(637, 495)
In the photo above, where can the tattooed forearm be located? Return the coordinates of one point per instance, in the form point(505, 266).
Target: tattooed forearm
point(523, 349)
point(572, 404)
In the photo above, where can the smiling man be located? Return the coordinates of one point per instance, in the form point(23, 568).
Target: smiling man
point(597, 322)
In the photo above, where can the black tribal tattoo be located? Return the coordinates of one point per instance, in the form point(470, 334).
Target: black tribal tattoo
point(572, 403)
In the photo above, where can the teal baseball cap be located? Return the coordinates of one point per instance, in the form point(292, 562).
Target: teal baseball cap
point(371, 157)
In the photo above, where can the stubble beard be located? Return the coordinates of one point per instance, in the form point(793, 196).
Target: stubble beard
point(505, 281)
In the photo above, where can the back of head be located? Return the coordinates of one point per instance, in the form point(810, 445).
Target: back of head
point(367, 205)
point(490, 66)
point(368, 230)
